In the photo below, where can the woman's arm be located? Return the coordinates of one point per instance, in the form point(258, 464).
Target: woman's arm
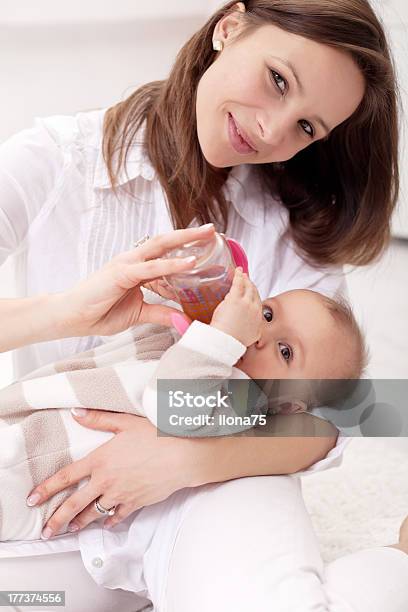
point(292, 443)
point(110, 301)
point(29, 320)
point(138, 468)
point(30, 165)
point(107, 302)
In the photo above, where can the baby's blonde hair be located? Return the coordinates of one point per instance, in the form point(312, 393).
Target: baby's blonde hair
point(343, 314)
point(331, 392)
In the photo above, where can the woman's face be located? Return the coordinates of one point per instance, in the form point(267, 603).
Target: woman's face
point(279, 114)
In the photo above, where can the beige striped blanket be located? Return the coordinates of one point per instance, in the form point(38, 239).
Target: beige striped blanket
point(38, 435)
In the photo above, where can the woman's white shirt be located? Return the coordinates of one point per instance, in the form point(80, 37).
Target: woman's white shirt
point(61, 221)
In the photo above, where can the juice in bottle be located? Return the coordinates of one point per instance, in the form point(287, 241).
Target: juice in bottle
point(201, 289)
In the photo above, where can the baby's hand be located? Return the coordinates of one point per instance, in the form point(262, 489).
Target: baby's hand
point(240, 312)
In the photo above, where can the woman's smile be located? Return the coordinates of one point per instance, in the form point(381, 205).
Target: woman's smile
point(237, 141)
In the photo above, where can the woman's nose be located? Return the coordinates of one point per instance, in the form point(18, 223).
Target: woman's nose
point(272, 132)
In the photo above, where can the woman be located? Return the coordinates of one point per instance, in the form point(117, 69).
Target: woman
point(310, 87)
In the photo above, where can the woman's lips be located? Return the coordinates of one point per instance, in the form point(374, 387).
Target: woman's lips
point(237, 142)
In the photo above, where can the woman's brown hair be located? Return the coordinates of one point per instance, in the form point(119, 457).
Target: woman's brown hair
point(340, 192)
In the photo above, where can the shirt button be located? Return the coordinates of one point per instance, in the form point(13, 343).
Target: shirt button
point(97, 562)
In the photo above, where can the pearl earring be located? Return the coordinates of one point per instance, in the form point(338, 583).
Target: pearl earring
point(218, 45)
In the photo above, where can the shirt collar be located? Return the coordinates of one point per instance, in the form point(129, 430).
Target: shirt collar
point(137, 164)
point(241, 189)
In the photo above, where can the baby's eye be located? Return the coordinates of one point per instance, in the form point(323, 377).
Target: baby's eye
point(267, 313)
point(285, 351)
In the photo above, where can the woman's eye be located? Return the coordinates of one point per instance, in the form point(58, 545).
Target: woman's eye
point(285, 351)
point(279, 77)
point(267, 313)
point(311, 133)
point(276, 80)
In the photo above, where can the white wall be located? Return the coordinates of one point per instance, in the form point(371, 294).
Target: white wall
point(96, 11)
point(68, 67)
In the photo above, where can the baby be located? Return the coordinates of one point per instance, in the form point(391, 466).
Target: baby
point(295, 335)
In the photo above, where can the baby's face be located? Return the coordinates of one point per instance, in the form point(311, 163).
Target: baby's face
point(299, 339)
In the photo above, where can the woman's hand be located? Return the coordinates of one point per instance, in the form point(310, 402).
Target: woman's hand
point(240, 312)
point(163, 289)
point(135, 468)
point(111, 300)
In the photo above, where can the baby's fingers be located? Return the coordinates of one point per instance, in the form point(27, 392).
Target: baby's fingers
point(255, 294)
point(237, 282)
point(249, 287)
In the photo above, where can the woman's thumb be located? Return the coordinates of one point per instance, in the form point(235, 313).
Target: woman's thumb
point(164, 315)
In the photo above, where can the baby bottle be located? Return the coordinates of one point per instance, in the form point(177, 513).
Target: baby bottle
point(202, 288)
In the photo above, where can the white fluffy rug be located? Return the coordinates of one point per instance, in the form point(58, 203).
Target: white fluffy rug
point(363, 502)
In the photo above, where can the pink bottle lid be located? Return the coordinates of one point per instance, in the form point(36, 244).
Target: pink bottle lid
point(238, 254)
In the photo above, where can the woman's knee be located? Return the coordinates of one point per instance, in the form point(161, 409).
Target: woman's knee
point(234, 539)
point(247, 502)
point(63, 572)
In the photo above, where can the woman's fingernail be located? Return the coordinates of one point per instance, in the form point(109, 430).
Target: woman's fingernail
point(189, 259)
point(206, 226)
point(73, 527)
point(179, 323)
point(79, 412)
point(47, 532)
point(33, 499)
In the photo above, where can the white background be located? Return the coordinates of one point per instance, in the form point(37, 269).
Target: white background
point(58, 58)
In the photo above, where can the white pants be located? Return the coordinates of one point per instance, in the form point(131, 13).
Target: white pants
point(246, 544)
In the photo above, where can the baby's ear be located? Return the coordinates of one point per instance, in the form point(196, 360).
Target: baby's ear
point(292, 407)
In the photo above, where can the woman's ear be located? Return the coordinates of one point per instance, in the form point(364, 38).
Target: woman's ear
point(229, 24)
